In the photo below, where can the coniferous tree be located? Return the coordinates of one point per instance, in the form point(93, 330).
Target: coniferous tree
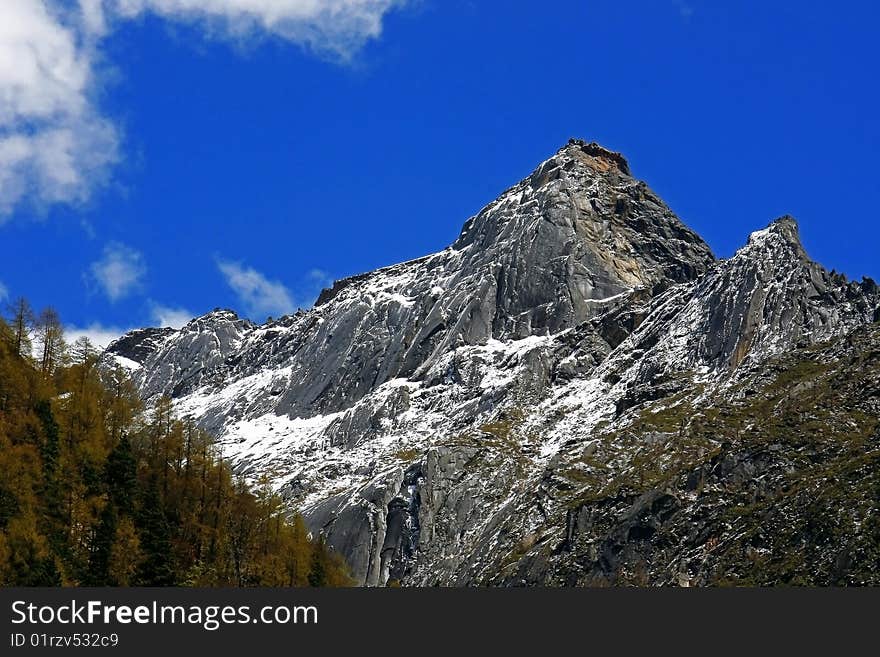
point(50, 337)
point(21, 317)
point(125, 554)
point(93, 490)
point(98, 573)
point(83, 352)
point(53, 521)
point(157, 568)
point(120, 473)
point(318, 569)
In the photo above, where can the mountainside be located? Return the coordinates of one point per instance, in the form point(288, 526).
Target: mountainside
point(535, 403)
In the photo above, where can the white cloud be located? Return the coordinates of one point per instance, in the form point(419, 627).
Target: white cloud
point(119, 272)
point(4, 292)
point(98, 334)
point(102, 335)
point(260, 296)
point(330, 27)
point(56, 146)
point(167, 316)
point(92, 17)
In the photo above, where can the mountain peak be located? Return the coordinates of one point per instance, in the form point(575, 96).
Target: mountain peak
point(784, 229)
point(577, 230)
point(571, 310)
point(216, 315)
point(787, 227)
point(596, 150)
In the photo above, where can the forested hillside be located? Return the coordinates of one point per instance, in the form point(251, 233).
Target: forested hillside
point(95, 490)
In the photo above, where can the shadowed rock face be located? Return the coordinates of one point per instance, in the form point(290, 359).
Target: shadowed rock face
point(421, 414)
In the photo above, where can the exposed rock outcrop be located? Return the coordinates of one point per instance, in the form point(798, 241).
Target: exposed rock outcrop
point(479, 415)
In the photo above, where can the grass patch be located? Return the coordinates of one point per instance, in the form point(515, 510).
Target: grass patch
point(407, 454)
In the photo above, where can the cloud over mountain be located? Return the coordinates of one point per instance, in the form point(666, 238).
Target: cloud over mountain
point(119, 271)
point(56, 143)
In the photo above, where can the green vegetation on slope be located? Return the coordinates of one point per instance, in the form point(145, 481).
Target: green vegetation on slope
point(96, 491)
point(773, 481)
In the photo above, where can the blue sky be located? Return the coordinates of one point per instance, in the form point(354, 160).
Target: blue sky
point(178, 158)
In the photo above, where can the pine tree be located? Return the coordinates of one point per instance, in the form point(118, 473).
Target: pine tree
point(121, 402)
point(318, 569)
point(120, 473)
point(157, 567)
point(125, 554)
point(98, 573)
point(53, 520)
point(91, 492)
point(21, 319)
point(50, 336)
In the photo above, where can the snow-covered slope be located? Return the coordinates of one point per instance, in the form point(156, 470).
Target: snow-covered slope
point(413, 414)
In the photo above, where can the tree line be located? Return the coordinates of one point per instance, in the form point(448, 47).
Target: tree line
point(97, 490)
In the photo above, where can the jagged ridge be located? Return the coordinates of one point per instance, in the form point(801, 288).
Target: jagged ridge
point(415, 412)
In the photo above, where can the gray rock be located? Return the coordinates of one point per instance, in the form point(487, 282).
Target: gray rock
point(434, 419)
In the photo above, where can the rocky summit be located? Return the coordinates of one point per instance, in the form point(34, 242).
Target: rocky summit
point(575, 392)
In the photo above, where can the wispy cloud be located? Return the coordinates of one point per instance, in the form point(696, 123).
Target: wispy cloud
point(261, 296)
point(101, 335)
point(119, 272)
point(337, 28)
point(56, 144)
point(168, 316)
point(97, 333)
point(684, 9)
point(4, 292)
point(315, 281)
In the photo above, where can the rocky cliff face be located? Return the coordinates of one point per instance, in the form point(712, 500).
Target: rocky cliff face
point(448, 419)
